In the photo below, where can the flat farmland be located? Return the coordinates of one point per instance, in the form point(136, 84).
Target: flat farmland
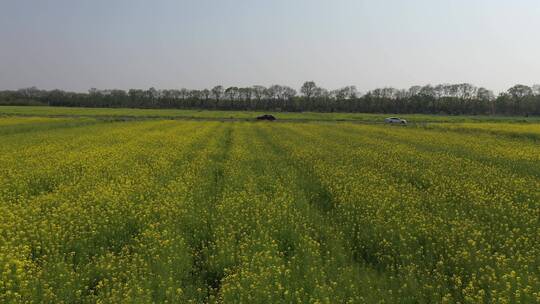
point(208, 211)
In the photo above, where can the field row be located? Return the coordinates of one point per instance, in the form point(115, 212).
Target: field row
point(123, 113)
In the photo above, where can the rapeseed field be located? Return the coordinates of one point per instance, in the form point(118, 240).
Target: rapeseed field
point(172, 211)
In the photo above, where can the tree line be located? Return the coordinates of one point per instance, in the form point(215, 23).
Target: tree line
point(454, 99)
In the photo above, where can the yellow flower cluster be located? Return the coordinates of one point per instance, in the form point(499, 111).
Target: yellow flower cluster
point(164, 211)
point(517, 130)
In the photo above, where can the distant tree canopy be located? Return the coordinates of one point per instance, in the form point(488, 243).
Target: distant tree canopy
point(452, 99)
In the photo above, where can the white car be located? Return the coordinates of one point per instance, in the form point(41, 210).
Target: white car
point(395, 120)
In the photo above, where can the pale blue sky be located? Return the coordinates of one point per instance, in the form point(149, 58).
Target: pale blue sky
point(76, 45)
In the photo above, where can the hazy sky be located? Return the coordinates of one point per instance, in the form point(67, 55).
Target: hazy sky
point(79, 44)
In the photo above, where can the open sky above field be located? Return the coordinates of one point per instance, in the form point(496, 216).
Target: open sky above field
point(76, 45)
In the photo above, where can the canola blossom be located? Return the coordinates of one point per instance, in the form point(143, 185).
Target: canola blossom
point(172, 211)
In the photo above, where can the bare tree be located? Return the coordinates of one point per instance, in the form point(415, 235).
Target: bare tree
point(196, 94)
point(232, 93)
point(258, 91)
point(245, 93)
point(519, 91)
point(344, 93)
point(536, 89)
point(288, 92)
point(319, 92)
point(206, 93)
point(217, 92)
point(184, 93)
point(414, 90)
point(308, 89)
point(273, 91)
point(484, 94)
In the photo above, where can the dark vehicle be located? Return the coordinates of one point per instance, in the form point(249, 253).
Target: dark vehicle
point(266, 117)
